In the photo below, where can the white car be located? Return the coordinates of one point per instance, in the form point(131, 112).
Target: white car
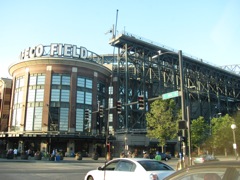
point(129, 169)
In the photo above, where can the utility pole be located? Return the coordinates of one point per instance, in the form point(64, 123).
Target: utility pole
point(183, 106)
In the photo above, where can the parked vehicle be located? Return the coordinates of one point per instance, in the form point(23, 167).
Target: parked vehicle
point(131, 168)
point(165, 156)
point(204, 159)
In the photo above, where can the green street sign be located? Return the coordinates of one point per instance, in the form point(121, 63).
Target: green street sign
point(170, 95)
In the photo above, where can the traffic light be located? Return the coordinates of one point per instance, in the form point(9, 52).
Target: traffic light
point(141, 102)
point(119, 107)
point(181, 139)
point(181, 124)
point(101, 111)
point(87, 114)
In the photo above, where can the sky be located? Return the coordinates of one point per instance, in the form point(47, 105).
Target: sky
point(206, 29)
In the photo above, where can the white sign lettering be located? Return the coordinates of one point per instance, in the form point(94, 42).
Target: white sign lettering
point(54, 50)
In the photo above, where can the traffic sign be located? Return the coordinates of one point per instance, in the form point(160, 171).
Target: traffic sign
point(170, 95)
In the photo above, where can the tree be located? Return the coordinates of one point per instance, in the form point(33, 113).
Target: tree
point(199, 132)
point(221, 132)
point(236, 118)
point(161, 121)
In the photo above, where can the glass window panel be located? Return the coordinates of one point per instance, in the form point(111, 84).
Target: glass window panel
point(81, 82)
point(29, 119)
point(110, 90)
point(88, 98)
point(14, 117)
point(79, 120)
point(66, 80)
point(17, 83)
point(56, 79)
point(55, 95)
point(110, 118)
point(54, 114)
point(65, 95)
point(21, 83)
point(32, 80)
point(40, 95)
point(16, 98)
point(101, 88)
point(63, 126)
point(89, 83)
point(19, 117)
point(31, 95)
point(38, 119)
point(110, 102)
point(80, 97)
point(41, 79)
point(20, 97)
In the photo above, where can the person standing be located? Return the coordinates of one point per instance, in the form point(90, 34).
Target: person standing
point(145, 155)
point(158, 157)
point(15, 151)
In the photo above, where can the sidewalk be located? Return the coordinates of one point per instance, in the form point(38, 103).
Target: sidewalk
point(65, 160)
point(226, 158)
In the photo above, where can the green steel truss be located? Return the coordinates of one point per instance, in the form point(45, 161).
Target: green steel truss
point(141, 70)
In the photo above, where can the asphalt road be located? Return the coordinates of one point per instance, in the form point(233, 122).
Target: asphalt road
point(67, 169)
point(46, 170)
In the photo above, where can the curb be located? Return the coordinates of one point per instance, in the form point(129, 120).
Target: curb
point(65, 160)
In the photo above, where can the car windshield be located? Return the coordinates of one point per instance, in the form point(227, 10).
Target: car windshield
point(154, 166)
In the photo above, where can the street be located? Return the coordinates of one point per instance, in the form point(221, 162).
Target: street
point(45, 170)
point(68, 169)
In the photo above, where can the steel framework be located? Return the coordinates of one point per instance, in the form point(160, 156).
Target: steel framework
point(234, 68)
point(146, 68)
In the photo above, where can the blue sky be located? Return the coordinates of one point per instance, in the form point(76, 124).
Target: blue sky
point(207, 29)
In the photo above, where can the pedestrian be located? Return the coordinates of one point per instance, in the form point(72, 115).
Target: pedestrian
point(129, 154)
point(122, 155)
point(180, 155)
point(145, 154)
point(29, 152)
point(54, 152)
point(15, 152)
point(158, 157)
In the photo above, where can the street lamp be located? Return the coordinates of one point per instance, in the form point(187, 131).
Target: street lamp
point(233, 126)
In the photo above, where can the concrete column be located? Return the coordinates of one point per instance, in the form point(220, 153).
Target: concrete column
point(73, 97)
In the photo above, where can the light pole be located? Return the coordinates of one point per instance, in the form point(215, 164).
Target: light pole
point(233, 126)
point(125, 145)
point(182, 93)
point(184, 114)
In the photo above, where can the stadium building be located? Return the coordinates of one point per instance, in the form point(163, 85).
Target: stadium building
point(56, 93)
point(66, 97)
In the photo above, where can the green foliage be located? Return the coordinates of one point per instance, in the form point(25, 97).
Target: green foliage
point(236, 118)
point(221, 132)
point(161, 121)
point(199, 131)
